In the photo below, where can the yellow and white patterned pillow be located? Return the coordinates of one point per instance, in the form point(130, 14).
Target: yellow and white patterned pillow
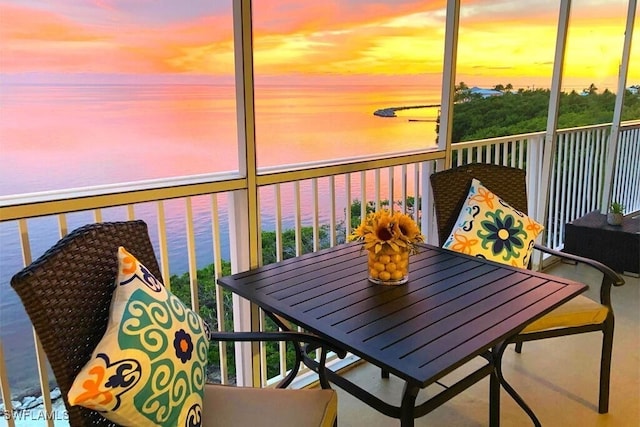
point(149, 367)
point(488, 227)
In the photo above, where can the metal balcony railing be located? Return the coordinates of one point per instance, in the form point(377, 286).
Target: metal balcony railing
point(192, 220)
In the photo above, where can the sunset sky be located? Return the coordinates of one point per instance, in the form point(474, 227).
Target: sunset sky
point(500, 41)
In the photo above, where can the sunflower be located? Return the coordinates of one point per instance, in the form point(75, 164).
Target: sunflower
point(409, 231)
point(387, 230)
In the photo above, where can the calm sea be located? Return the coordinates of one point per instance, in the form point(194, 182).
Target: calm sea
point(62, 136)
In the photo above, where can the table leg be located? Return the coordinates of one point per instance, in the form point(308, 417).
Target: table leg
point(498, 351)
point(494, 400)
point(408, 405)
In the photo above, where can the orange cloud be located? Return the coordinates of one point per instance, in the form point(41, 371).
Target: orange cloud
point(332, 37)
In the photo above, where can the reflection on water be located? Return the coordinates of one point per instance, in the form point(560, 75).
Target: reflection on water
point(54, 137)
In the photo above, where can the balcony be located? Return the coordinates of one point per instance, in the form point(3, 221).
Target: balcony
point(202, 221)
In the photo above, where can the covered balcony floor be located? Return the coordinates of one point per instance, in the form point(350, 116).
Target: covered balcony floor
point(557, 377)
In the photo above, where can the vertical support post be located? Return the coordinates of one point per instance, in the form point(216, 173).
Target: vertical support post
point(612, 149)
point(243, 317)
point(535, 146)
point(428, 225)
point(552, 116)
point(244, 223)
point(534, 168)
point(448, 78)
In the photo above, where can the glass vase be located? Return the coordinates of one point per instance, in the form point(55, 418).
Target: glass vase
point(389, 267)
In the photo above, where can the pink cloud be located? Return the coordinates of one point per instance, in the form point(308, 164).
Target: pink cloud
point(37, 40)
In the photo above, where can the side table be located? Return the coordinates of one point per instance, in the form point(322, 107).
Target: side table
point(591, 236)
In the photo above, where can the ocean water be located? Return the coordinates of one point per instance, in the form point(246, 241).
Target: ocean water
point(64, 136)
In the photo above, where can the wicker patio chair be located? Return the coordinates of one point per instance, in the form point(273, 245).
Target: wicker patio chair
point(67, 294)
point(450, 188)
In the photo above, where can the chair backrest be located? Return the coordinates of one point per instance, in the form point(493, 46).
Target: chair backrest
point(450, 188)
point(67, 293)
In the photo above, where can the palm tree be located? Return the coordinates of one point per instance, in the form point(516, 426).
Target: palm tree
point(461, 92)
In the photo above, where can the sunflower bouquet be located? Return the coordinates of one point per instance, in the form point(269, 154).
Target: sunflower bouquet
point(390, 237)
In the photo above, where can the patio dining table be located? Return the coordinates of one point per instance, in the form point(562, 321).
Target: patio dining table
point(454, 308)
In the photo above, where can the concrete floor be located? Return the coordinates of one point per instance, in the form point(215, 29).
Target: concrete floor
point(557, 377)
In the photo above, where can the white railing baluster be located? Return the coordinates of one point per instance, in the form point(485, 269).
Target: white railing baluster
point(599, 157)
point(391, 186)
point(348, 201)
point(191, 255)
point(597, 153)
point(505, 153)
point(583, 178)
point(363, 195)
point(418, 195)
point(162, 242)
point(603, 136)
point(297, 217)
point(376, 189)
point(315, 218)
point(278, 220)
point(579, 174)
point(595, 161)
point(403, 190)
point(332, 211)
point(263, 353)
point(63, 228)
point(586, 205)
point(521, 151)
point(570, 174)
point(635, 177)
point(632, 140)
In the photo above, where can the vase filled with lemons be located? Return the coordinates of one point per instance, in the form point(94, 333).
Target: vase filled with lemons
point(389, 237)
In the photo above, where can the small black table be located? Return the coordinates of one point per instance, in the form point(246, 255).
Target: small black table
point(454, 308)
point(617, 246)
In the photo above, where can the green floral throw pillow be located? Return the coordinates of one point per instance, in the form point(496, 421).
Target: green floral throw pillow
point(488, 227)
point(149, 368)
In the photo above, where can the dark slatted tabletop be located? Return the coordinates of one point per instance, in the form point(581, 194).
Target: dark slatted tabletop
point(453, 308)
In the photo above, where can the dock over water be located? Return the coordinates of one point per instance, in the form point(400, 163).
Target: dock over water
point(391, 111)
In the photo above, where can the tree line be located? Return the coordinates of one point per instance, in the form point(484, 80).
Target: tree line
point(525, 110)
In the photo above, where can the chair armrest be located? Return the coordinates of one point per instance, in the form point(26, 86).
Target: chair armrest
point(609, 277)
point(296, 338)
